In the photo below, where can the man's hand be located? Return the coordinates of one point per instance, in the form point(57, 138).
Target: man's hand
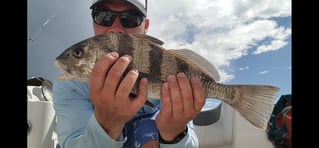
point(182, 100)
point(109, 93)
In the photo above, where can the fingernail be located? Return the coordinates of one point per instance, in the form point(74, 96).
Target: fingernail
point(114, 54)
point(165, 86)
point(135, 70)
point(128, 56)
point(144, 80)
point(171, 78)
point(181, 75)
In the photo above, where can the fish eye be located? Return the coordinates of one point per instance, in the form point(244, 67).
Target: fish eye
point(78, 52)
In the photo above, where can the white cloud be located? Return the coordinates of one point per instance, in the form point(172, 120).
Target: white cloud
point(247, 9)
point(243, 68)
point(263, 72)
point(274, 45)
point(220, 30)
point(279, 37)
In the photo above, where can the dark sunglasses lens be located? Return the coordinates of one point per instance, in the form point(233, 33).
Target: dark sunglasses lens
point(129, 20)
point(104, 18)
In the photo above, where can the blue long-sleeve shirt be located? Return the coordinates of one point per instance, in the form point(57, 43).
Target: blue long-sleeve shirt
point(77, 126)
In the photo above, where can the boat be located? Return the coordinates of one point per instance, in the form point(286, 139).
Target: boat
point(217, 126)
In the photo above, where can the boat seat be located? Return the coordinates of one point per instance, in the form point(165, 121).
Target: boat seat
point(41, 123)
point(209, 114)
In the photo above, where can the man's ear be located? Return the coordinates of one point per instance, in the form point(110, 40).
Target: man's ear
point(146, 25)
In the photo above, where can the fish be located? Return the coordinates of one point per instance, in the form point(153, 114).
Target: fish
point(255, 102)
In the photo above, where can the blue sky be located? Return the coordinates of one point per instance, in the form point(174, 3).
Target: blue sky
point(249, 41)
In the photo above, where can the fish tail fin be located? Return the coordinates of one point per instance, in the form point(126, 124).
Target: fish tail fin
point(255, 103)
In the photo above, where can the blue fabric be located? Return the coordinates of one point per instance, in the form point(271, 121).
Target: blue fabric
point(141, 130)
point(78, 128)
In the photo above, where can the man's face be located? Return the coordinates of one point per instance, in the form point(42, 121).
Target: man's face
point(119, 6)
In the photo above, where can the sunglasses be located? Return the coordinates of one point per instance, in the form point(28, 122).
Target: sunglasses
point(128, 19)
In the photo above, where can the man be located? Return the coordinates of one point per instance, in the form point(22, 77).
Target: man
point(102, 114)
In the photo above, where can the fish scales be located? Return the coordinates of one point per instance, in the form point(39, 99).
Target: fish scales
point(254, 102)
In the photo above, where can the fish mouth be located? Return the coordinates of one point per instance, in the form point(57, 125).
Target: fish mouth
point(66, 73)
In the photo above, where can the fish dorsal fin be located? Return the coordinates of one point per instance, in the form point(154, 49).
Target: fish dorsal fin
point(148, 38)
point(203, 63)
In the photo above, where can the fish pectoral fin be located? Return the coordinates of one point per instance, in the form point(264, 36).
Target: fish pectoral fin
point(200, 61)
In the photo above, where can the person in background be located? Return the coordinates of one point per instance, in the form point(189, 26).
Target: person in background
point(101, 113)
